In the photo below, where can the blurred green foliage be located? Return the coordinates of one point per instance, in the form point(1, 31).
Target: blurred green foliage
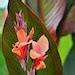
point(3, 69)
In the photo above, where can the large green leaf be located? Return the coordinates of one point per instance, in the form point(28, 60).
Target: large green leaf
point(9, 37)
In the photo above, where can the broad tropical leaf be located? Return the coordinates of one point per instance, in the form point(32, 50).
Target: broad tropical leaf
point(50, 11)
point(9, 37)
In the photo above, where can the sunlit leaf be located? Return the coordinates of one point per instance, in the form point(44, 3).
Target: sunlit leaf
point(53, 61)
point(64, 47)
point(69, 65)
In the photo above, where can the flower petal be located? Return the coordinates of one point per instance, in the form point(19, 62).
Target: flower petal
point(37, 48)
point(20, 52)
point(43, 43)
point(42, 65)
point(21, 35)
point(16, 51)
point(30, 34)
point(25, 43)
point(34, 54)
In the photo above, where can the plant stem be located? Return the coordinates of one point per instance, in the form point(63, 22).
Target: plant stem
point(31, 72)
point(27, 58)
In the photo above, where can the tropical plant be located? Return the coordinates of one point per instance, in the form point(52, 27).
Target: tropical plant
point(36, 54)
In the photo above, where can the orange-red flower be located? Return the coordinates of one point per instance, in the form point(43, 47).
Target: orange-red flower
point(38, 51)
point(39, 63)
point(20, 47)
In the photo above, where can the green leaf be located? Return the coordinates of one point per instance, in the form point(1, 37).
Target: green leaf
point(69, 65)
point(64, 47)
point(9, 37)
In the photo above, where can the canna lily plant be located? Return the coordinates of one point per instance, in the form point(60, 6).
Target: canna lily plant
point(29, 44)
point(30, 49)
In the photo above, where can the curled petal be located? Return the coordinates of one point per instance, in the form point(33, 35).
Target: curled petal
point(20, 52)
point(43, 43)
point(21, 35)
point(16, 51)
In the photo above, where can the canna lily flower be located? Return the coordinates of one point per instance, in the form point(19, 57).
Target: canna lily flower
point(20, 47)
point(38, 51)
